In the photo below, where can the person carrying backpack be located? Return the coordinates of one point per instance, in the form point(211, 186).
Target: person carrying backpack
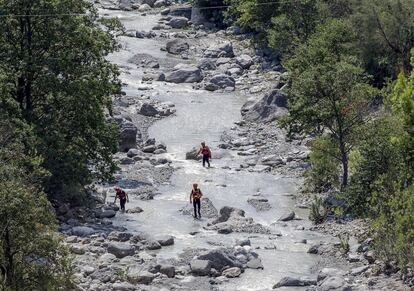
point(195, 199)
point(122, 196)
point(206, 153)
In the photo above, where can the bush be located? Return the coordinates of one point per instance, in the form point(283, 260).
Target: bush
point(394, 228)
point(318, 211)
point(323, 174)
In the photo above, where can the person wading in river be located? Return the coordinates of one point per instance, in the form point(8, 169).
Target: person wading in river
point(195, 198)
point(206, 153)
point(122, 196)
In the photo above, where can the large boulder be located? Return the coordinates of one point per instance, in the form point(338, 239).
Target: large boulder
point(220, 50)
point(200, 267)
point(177, 46)
point(193, 154)
point(270, 107)
point(128, 136)
point(207, 209)
point(220, 81)
point(178, 22)
point(121, 250)
point(148, 109)
point(227, 212)
point(220, 259)
point(184, 74)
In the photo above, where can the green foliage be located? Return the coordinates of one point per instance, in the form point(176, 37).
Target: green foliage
point(385, 29)
point(31, 256)
point(294, 22)
point(378, 159)
point(329, 91)
point(344, 243)
point(252, 15)
point(318, 211)
point(57, 78)
point(323, 175)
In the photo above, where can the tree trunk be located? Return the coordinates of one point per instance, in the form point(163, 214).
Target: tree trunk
point(9, 259)
point(344, 160)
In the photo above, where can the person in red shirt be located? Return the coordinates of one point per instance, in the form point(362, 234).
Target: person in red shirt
point(122, 196)
point(195, 199)
point(206, 153)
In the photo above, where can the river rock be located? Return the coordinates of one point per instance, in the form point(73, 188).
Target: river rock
point(128, 136)
point(260, 204)
point(105, 213)
point(160, 3)
point(255, 263)
point(220, 50)
point(184, 74)
point(148, 109)
point(165, 11)
point(332, 283)
point(133, 153)
point(244, 61)
point(270, 107)
point(123, 286)
point(148, 2)
point(78, 249)
point(200, 267)
point(207, 209)
point(121, 250)
point(359, 270)
point(329, 272)
point(177, 46)
point(119, 236)
point(134, 210)
point(207, 64)
point(138, 276)
point(178, 22)
point(168, 270)
point(220, 258)
point(220, 81)
point(193, 154)
point(151, 244)
point(165, 240)
point(82, 231)
point(233, 272)
point(149, 149)
point(144, 8)
point(287, 217)
point(294, 282)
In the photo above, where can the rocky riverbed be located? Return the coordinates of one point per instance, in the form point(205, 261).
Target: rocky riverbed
point(183, 84)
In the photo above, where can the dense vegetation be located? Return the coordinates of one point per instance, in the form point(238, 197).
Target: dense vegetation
point(55, 96)
point(352, 88)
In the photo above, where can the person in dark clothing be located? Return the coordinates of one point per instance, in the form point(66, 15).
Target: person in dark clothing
point(122, 196)
point(206, 153)
point(195, 199)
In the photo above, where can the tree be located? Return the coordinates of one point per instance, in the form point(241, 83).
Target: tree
point(386, 35)
point(329, 91)
point(53, 59)
point(293, 24)
point(31, 256)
